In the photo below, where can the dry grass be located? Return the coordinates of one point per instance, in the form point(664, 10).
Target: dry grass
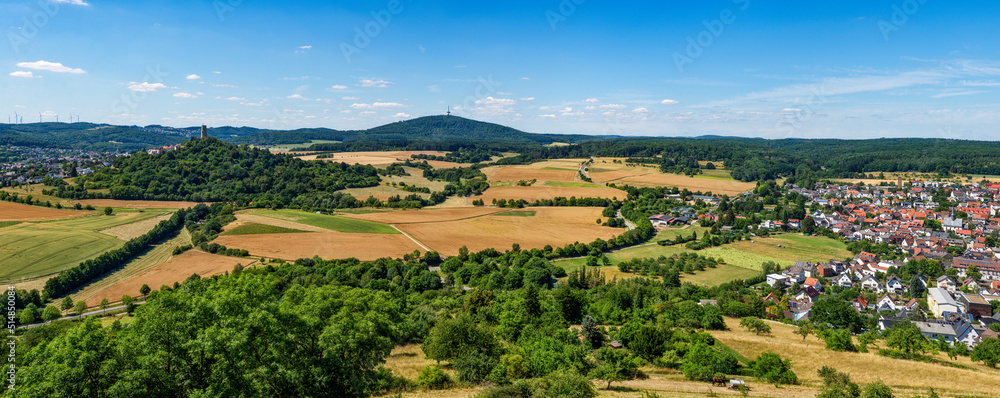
point(556, 226)
point(154, 257)
point(130, 231)
point(691, 183)
point(426, 215)
point(534, 193)
point(327, 245)
point(245, 218)
point(383, 158)
point(136, 204)
point(18, 212)
point(810, 355)
point(32, 283)
point(35, 190)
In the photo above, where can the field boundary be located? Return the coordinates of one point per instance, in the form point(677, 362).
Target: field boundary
point(411, 238)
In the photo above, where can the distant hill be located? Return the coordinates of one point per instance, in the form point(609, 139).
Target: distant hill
point(429, 128)
point(85, 136)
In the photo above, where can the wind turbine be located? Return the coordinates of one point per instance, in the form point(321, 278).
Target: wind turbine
point(39, 117)
point(15, 117)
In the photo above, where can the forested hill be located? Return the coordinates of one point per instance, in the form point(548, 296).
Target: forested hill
point(211, 170)
point(85, 136)
point(429, 128)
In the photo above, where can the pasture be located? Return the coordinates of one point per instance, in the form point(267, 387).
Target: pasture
point(35, 190)
point(10, 211)
point(332, 223)
point(259, 229)
point(293, 246)
point(29, 250)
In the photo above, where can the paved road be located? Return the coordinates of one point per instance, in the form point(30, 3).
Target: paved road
point(627, 222)
point(85, 314)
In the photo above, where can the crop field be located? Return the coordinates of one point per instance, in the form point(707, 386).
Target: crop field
point(326, 245)
point(29, 250)
point(258, 229)
point(157, 255)
point(35, 190)
point(381, 192)
point(427, 215)
point(517, 173)
point(381, 159)
point(19, 212)
point(289, 147)
point(534, 193)
point(556, 226)
point(332, 223)
point(133, 230)
point(716, 186)
point(176, 269)
point(136, 204)
point(809, 355)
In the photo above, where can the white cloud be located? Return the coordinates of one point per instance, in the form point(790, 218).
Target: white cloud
point(791, 110)
point(236, 99)
point(72, 2)
point(185, 95)
point(378, 105)
point(305, 47)
point(296, 96)
point(216, 72)
point(145, 87)
point(980, 83)
point(22, 73)
point(374, 83)
point(402, 115)
point(490, 101)
point(613, 106)
point(349, 98)
point(548, 116)
point(193, 77)
point(669, 102)
point(525, 78)
point(49, 66)
point(338, 87)
point(640, 110)
point(591, 100)
point(528, 99)
point(590, 107)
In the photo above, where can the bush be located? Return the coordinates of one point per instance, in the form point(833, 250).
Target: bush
point(840, 340)
point(432, 377)
point(769, 366)
point(474, 367)
point(564, 385)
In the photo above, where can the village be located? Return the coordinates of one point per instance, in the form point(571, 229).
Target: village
point(956, 225)
point(31, 165)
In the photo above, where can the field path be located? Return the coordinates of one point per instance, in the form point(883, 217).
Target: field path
point(411, 238)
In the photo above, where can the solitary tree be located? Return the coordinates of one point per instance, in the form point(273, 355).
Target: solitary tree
point(755, 325)
point(66, 304)
point(104, 304)
point(80, 307)
point(144, 290)
point(877, 389)
point(108, 211)
point(905, 336)
point(51, 313)
point(805, 330)
point(987, 351)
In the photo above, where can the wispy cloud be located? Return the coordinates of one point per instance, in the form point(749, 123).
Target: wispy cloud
point(50, 66)
point(145, 87)
point(21, 73)
point(185, 95)
point(72, 2)
point(378, 105)
point(193, 77)
point(374, 83)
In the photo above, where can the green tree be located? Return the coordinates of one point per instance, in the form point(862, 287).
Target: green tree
point(876, 389)
point(756, 325)
point(144, 290)
point(804, 330)
point(614, 365)
point(456, 337)
point(591, 333)
point(808, 225)
point(66, 304)
point(839, 340)
point(837, 384)
point(51, 313)
point(836, 313)
point(108, 211)
point(104, 304)
point(769, 366)
point(702, 362)
point(80, 307)
point(905, 336)
point(987, 351)
point(432, 377)
point(29, 314)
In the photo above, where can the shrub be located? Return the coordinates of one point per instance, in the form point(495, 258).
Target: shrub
point(432, 377)
point(769, 366)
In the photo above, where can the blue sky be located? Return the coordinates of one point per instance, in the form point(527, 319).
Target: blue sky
point(776, 69)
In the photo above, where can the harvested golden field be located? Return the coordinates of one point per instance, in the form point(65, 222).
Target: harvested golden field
point(809, 355)
point(136, 204)
point(381, 192)
point(130, 231)
point(556, 226)
point(612, 176)
point(716, 186)
point(293, 246)
point(382, 158)
point(426, 215)
point(19, 212)
point(177, 269)
point(534, 193)
point(517, 173)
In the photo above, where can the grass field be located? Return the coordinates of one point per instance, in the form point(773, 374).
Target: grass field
point(8, 223)
point(289, 147)
point(516, 213)
point(255, 229)
point(10, 211)
point(722, 273)
point(157, 255)
point(35, 249)
point(571, 184)
point(333, 223)
point(35, 190)
point(910, 376)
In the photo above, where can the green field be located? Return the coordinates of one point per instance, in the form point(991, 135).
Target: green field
point(516, 214)
point(722, 273)
point(34, 249)
point(289, 147)
point(334, 223)
point(257, 229)
point(672, 232)
point(717, 174)
point(8, 223)
point(741, 255)
point(572, 184)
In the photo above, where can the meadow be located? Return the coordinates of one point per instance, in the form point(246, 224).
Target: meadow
point(333, 223)
point(257, 229)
